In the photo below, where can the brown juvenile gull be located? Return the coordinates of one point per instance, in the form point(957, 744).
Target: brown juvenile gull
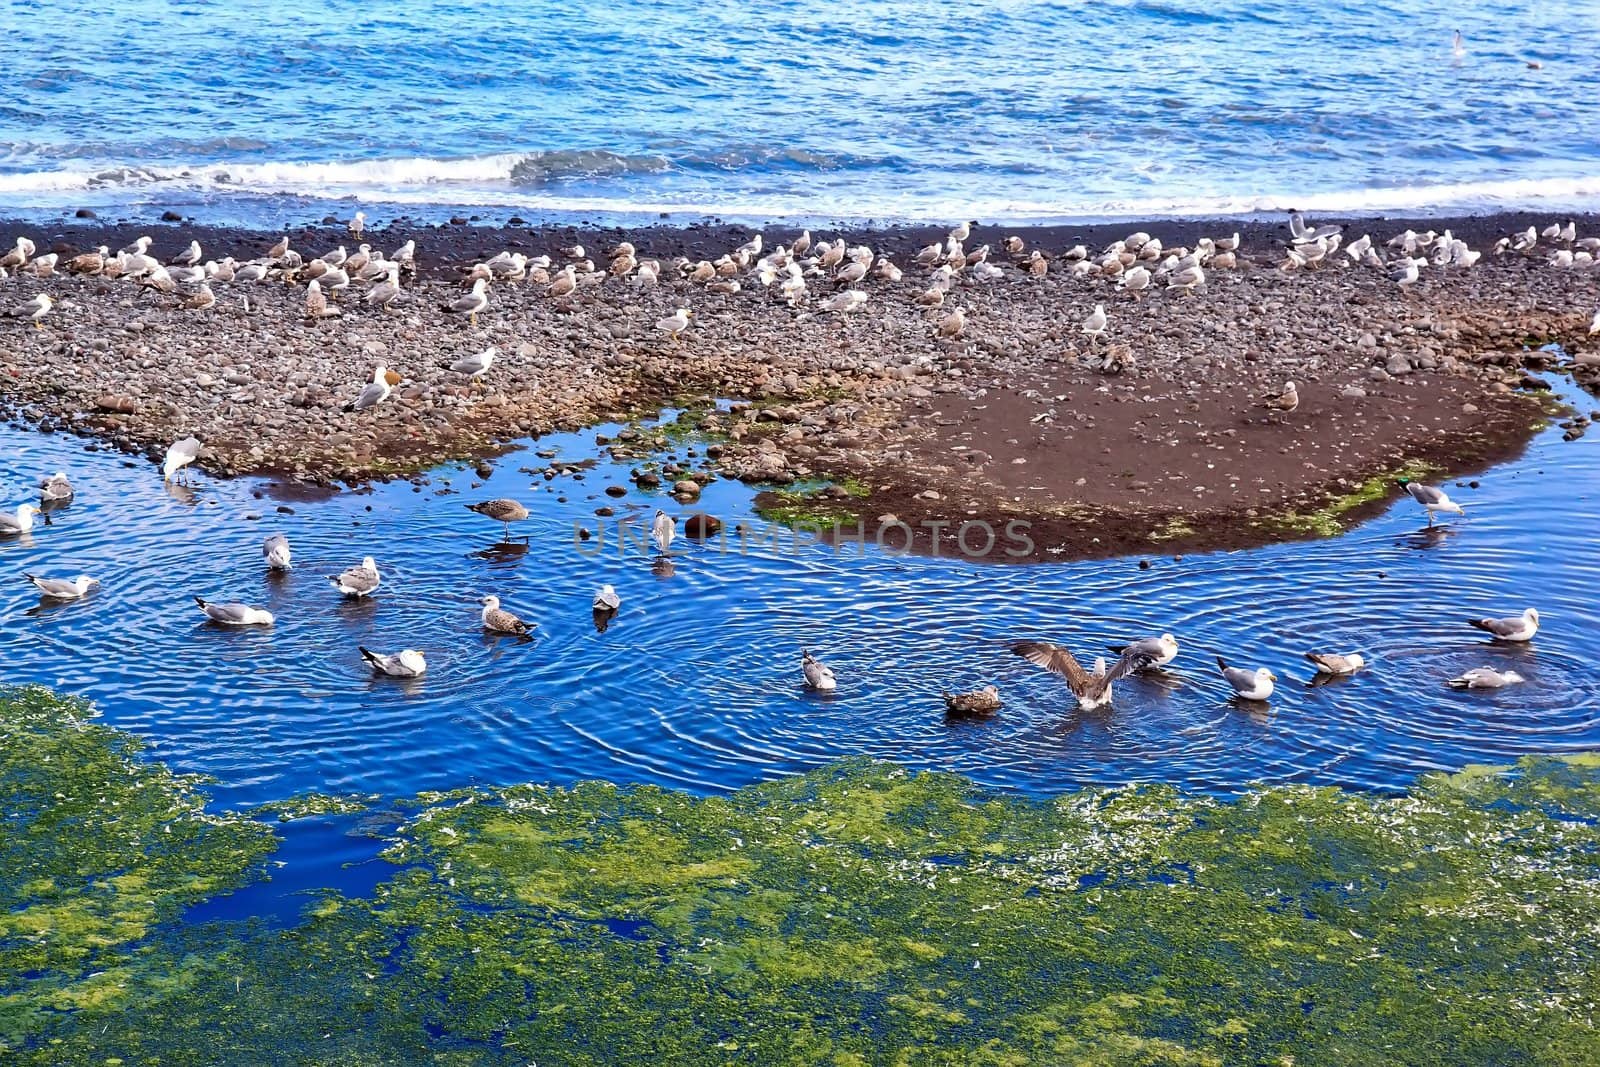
point(1285, 401)
point(358, 581)
point(1332, 663)
point(18, 255)
point(277, 251)
point(317, 303)
point(502, 510)
point(180, 455)
point(979, 704)
point(407, 663)
point(953, 324)
point(203, 300)
point(1433, 499)
point(1093, 689)
point(1517, 628)
point(498, 620)
point(234, 614)
point(63, 588)
point(817, 676)
point(89, 262)
point(1485, 678)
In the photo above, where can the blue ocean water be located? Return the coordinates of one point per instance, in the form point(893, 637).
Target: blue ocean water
point(993, 109)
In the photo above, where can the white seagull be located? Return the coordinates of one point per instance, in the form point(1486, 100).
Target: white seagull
point(275, 550)
point(358, 581)
point(817, 676)
point(180, 455)
point(234, 614)
point(1432, 498)
point(1517, 628)
point(662, 530)
point(472, 303)
point(20, 523)
point(63, 588)
point(606, 599)
point(1095, 325)
point(675, 323)
point(408, 663)
point(55, 489)
point(1485, 678)
point(1248, 685)
point(1332, 663)
point(477, 365)
point(375, 393)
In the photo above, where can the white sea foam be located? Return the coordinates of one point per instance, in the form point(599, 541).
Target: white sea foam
point(553, 183)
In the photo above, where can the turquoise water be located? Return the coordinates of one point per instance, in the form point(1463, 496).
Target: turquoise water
point(797, 108)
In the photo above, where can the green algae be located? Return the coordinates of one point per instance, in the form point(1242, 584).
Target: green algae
point(860, 914)
point(812, 505)
point(308, 805)
point(1329, 519)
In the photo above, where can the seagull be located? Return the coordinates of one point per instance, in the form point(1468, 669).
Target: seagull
point(1594, 325)
point(845, 302)
point(19, 523)
point(1160, 651)
point(375, 393)
point(1485, 678)
point(1285, 401)
point(979, 704)
point(1092, 688)
point(55, 489)
point(817, 676)
point(1248, 685)
point(500, 621)
point(472, 303)
point(203, 300)
point(63, 588)
point(952, 324)
point(357, 224)
point(1095, 325)
point(275, 550)
point(1433, 499)
point(1136, 280)
point(1458, 47)
point(138, 248)
point(1517, 628)
point(1331, 663)
point(384, 292)
point(234, 614)
point(607, 599)
point(18, 256)
point(358, 581)
point(1187, 279)
point(502, 510)
point(405, 664)
point(1407, 274)
point(35, 309)
point(180, 455)
point(477, 365)
point(662, 530)
point(189, 257)
point(675, 323)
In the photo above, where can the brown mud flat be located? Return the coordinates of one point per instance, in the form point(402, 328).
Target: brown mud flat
point(1011, 421)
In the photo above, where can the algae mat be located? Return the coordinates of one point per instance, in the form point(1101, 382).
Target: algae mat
point(859, 914)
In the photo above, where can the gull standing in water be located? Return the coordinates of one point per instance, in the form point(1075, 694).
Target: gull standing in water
point(497, 620)
point(816, 674)
point(1433, 499)
point(19, 523)
point(979, 704)
point(234, 614)
point(502, 510)
point(1092, 688)
point(55, 489)
point(1517, 628)
point(1247, 685)
point(358, 581)
point(472, 303)
point(408, 663)
point(1485, 678)
point(1334, 664)
point(180, 455)
point(1160, 651)
point(63, 588)
point(275, 550)
point(662, 530)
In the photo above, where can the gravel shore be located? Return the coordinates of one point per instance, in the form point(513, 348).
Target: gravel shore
point(1018, 417)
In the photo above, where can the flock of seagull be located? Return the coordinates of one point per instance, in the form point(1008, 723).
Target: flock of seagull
point(1092, 688)
point(1135, 264)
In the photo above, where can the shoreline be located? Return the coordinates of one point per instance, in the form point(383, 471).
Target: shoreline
point(1007, 422)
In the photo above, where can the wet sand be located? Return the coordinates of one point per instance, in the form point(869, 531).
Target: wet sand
point(1011, 421)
